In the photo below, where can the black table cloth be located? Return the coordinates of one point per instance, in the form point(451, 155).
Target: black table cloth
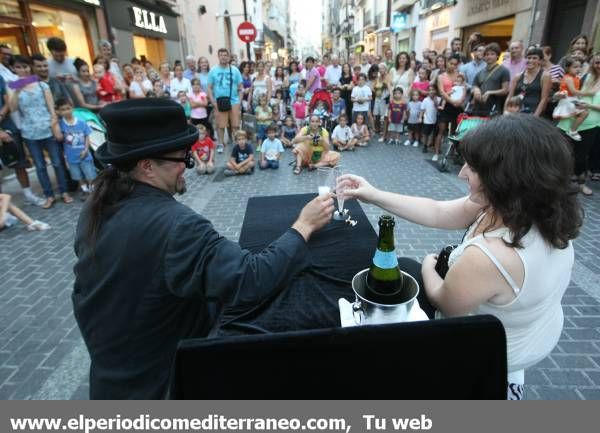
point(294, 357)
point(310, 301)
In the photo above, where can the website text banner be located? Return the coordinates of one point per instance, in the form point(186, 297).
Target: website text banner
point(298, 416)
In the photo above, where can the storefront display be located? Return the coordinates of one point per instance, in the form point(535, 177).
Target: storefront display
point(499, 31)
point(25, 26)
point(499, 21)
point(145, 30)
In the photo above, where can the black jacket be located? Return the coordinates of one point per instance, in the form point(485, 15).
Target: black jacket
point(159, 273)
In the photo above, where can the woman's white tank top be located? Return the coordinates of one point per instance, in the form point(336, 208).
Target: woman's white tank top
point(534, 319)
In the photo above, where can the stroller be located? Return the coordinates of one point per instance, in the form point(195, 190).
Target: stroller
point(464, 123)
point(322, 95)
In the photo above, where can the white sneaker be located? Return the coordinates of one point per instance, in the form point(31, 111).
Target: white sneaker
point(416, 143)
point(574, 135)
point(407, 143)
point(435, 157)
point(37, 226)
point(220, 148)
point(380, 139)
point(33, 199)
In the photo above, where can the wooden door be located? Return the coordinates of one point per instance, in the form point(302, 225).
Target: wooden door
point(13, 37)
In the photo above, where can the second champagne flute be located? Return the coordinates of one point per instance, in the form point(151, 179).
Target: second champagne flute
point(339, 214)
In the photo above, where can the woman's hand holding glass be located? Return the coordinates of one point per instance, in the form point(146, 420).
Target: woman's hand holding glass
point(356, 187)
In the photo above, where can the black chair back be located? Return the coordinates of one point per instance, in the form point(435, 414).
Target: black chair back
point(462, 358)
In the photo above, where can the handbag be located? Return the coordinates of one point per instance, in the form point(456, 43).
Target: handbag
point(9, 154)
point(224, 102)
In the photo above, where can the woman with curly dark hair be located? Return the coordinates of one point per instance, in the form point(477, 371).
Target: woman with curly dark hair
point(516, 257)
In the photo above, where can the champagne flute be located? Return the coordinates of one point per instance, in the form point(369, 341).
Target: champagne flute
point(326, 184)
point(339, 215)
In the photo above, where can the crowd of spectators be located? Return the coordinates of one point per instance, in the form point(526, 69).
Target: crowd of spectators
point(314, 109)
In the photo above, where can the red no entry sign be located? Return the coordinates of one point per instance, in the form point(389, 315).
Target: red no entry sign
point(246, 32)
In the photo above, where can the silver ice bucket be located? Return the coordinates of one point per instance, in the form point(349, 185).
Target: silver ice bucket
point(367, 312)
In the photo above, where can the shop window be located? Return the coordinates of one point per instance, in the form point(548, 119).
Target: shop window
point(152, 49)
point(11, 8)
point(403, 45)
point(439, 40)
point(70, 27)
point(13, 37)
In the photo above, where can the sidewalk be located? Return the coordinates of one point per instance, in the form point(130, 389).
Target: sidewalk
point(41, 352)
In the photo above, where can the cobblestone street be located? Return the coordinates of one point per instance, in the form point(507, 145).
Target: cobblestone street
point(42, 355)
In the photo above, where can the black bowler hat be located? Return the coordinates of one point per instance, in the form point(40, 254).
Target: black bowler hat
point(141, 128)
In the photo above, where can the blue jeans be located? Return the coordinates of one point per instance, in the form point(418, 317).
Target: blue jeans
point(274, 164)
point(82, 170)
point(36, 148)
point(261, 133)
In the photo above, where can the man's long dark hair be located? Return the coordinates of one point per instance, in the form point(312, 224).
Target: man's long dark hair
point(110, 187)
point(524, 164)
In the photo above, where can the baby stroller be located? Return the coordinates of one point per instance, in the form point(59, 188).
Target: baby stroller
point(98, 135)
point(464, 123)
point(322, 95)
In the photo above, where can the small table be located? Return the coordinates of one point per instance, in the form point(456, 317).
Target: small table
point(310, 300)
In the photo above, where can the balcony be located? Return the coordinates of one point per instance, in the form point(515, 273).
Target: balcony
point(436, 4)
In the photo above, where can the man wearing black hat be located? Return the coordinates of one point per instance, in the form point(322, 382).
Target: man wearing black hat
point(150, 270)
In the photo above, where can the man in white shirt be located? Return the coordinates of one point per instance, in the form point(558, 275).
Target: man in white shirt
point(179, 83)
point(333, 72)
point(5, 59)
point(364, 63)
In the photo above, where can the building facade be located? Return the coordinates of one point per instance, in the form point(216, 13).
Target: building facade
point(25, 26)
point(403, 25)
point(556, 22)
point(145, 30)
point(212, 24)
point(412, 25)
point(275, 17)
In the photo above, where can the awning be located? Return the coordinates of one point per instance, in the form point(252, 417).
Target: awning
point(157, 6)
point(97, 3)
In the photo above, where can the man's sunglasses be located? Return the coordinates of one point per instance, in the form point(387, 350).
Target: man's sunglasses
point(187, 159)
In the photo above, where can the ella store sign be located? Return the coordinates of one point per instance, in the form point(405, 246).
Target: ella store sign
point(148, 20)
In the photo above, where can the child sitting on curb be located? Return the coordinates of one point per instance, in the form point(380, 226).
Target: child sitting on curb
point(242, 156)
point(203, 152)
point(288, 131)
point(271, 150)
point(342, 135)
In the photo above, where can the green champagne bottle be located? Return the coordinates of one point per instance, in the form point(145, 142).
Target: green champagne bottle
point(384, 280)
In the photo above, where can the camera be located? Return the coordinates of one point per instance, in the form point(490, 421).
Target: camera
point(441, 267)
point(316, 139)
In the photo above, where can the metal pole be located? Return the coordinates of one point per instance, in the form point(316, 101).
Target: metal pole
point(347, 34)
point(247, 43)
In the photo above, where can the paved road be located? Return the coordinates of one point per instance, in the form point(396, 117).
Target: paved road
point(42, 355)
